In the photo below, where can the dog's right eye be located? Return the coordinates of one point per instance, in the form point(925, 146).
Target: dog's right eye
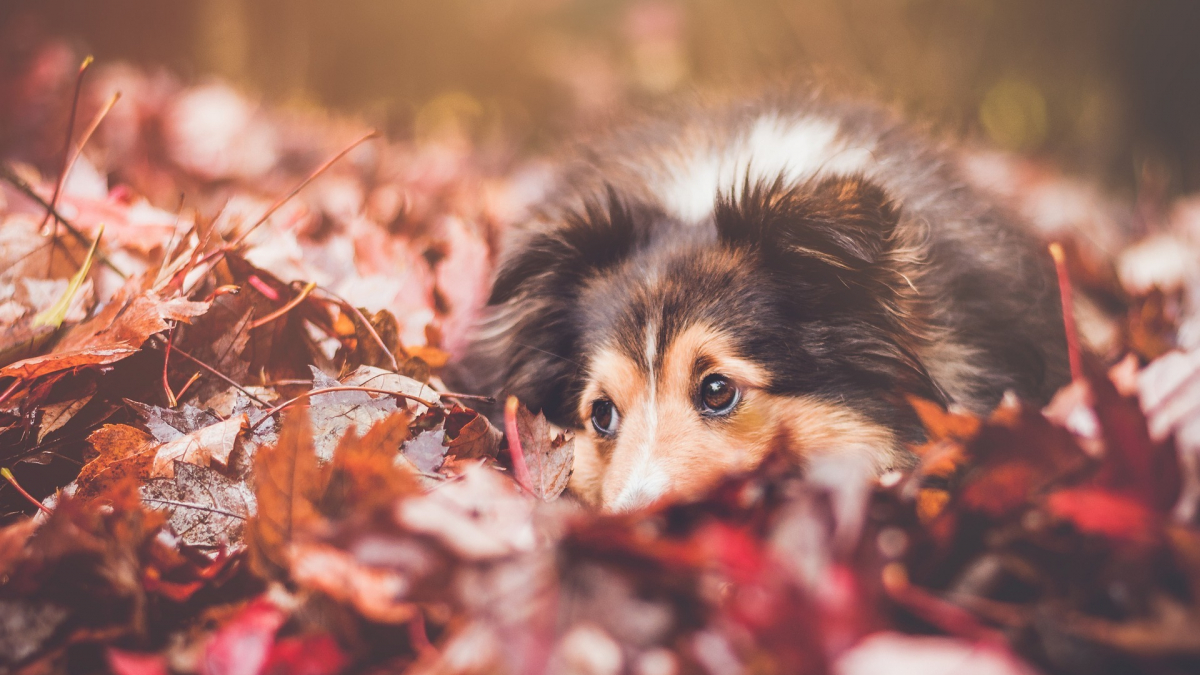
point(605, 419)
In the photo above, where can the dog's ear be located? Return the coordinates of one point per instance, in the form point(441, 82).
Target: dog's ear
point(839, 227)
point(529, 341)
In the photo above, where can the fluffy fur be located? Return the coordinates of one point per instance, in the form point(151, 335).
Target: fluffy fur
point(819, 253)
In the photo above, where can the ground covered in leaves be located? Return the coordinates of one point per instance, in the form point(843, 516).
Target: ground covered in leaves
point(227, 448)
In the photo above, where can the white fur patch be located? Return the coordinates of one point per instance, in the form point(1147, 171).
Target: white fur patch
point(770, 147)
point(647, 481)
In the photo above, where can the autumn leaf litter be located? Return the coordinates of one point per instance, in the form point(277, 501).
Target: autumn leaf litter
point(247, 460)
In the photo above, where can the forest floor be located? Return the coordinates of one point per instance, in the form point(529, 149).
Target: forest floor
point(226, 447)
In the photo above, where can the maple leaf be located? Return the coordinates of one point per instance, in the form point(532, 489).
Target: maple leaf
point(123, 452)
point(548, 459)
point(288, 486)
point(364, 472)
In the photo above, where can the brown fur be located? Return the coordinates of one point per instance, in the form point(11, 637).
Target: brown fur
point(693, 452)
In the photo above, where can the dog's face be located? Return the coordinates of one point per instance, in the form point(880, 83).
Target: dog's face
point(681, 353)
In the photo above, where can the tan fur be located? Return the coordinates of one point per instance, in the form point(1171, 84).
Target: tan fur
point(666, 447)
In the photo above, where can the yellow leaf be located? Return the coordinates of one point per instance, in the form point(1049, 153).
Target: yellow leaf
point(56, 313)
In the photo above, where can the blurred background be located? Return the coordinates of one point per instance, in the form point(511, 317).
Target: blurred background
point(1108, 89)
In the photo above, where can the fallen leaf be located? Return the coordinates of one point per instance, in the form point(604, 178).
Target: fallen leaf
point(470, 435)
point(204, 508)
point(549, 459)
point(123, 452)
point(56, 415)
point(117, 332)
point(427, 451)
point(243, 645)
point(288, 485)
point(208, 446)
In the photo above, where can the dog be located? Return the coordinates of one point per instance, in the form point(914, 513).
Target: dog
point(704, 286)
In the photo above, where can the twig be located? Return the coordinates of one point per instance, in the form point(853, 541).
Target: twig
point(1064, 291)
point(171, 400)
point(66, 153)
point(188, 385)
point(467, 397)
point(24, 188)
point(311, 177)
point(228, 380)
point(515, 451)
point(291, 304)
point(12, 480)
point(327, 390)
point(190, 505)
point(83, 139)
point(346, 306)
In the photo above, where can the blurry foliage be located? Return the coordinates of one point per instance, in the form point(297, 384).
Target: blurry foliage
point(1100, 85)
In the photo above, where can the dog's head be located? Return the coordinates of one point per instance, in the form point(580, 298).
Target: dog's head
point(683, 352)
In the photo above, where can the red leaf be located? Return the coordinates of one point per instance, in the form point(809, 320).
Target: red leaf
point(133, 663)
point(1104, 513)
point(243, 646)
point(306, 655)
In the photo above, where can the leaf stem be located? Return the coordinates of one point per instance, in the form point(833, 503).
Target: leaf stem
point(1064, 291)
point(12, 480)
point(515, 451)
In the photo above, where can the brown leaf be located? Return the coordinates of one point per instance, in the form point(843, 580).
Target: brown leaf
point(56, 415)
point(549, 459)
point(470, 435)
point(367, 351)
point(364, 471)
point(212, 444)
point(123, 452)
point(288, 485)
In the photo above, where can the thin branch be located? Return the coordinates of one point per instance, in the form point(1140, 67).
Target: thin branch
point(291, 304)
point(66, 153)
point(346, 306)
point(190, 505)
point(327, 390)
point(228, 380)
point(311, 177)
point(166, 383)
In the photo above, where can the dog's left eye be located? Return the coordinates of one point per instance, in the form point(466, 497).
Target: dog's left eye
point(718, 396)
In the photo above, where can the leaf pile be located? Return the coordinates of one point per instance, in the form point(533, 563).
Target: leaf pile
point(239, 474)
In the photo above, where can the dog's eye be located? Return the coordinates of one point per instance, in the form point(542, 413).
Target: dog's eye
point(718, 396)
point(605, 419)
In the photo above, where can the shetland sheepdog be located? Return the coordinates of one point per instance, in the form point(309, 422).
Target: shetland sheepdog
point(704, 286)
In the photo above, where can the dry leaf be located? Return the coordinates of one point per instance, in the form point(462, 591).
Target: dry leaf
point(117, 332)
point(56, 415)
point(205, 508)
point(288, 485)
point(123, 452)
point(549, 459)
point(211, 445)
